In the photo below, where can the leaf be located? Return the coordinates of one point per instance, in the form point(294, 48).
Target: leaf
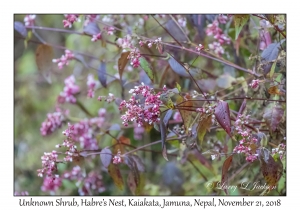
point(114, 127)
point(177, 67)
point(225, 168)
point(147, 68)
point(122, 62)
point(123, 140)
point(274, 90)
point(186, 115)
point(225, 81)
point(167, 101)
point(205, 121)
point(139, 163)
point(272, 69)
point(178, 87)
point(271, 169)
point(135, 189)
point(43, 58)
point(130, 162)
point(239, 22)
point(223, 116)
point(105, 156)
point(269, 55)
point(176, 32)
point(19, 27)
point(115, 174)
point(91, 29)
point(163, 134)
point(273, 115)
point(167, 117)
point(102, 77)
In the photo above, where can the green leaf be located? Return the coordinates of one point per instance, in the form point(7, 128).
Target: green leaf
point(272, 69)
point(147, 68)
point(115, 174)
point(178, 87)
point(239, 22)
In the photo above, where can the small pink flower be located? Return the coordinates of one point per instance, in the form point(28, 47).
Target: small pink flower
point(64, 60)
point(29, 20)
point(254, 84)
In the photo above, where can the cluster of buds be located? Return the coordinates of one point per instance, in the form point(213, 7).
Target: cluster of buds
point(142, 109)
point(117, 158)
point(126, 42)
point(53, 122)
point(134, 58)
point(64, 60)
point(92, 85)
point(214, 30)
point(248, 143)
point(201, 47)
point(96, 37)
point(29, 20)
point(70, 19)
point(254, 84)
point(109, 30)
point(110, 98)
point(150, 43)
point(49, 165)
point(69, 91)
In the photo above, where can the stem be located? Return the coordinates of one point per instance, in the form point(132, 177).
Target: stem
point(250, 98)
point(204, 177)
point(152, 143)
point(83, 108)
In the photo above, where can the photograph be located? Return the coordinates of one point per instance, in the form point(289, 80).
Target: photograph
point(149, 105)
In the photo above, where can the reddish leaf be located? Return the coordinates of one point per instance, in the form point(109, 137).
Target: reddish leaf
point(273, 115)
point(271, 169)
point(105, 156)
point(135, 189)
point(139, 163)
point(115, 174)
point(223, 116)
point(102, 77)
point(122, 62)
point(269, 55)
point(122, 140)
point(225, 168)
point(130, 162)
point(19, 27)
point(205, 121)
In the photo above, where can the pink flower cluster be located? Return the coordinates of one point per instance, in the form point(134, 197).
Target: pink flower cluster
point(117, 158)
point(51, 185)
point(89, 185)
point(23, 193)
point(64, 60)
point(49, 167)
point(92, 85)
point(96, 37)
point(110, 98)
point(134, 58)
point(248, 142)
point(126, 42)
point(29, 20)
point(70, 19)
point(254, 84)
point(53, 122)
point(69, 91)
point(142, 109)
point(214, 30)
point(92, 184)
point(109, 30)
